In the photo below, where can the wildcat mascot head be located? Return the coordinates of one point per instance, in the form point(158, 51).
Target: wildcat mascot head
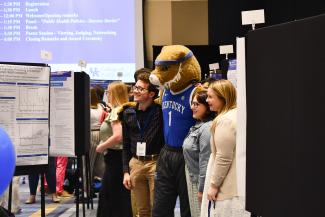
point(176, 68)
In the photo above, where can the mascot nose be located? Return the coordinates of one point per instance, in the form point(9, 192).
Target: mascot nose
point(154, 80)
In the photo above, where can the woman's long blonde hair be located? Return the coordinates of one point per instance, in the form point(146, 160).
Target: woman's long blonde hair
point(118, 93)
point(226, 92)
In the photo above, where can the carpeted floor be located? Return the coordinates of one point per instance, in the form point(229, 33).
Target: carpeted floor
point(66, 208)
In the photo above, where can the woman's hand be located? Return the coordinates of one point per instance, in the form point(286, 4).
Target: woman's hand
point(127, 181)
point(199, 196)
point(213, 192)
point(100, 148)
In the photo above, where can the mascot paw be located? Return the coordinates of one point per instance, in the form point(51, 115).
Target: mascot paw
point(123, 107)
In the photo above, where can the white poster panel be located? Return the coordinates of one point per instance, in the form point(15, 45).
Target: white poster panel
point(62, 114)
point(24, 111)
point(241, 118)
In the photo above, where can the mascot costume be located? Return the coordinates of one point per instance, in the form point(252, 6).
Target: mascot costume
point(177, 71)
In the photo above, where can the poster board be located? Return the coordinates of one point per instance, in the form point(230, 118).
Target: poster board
point(82, 112)
point(24, 110)
point(62, 114)
point(285, 119)
point(241, 118)
point(70, 113)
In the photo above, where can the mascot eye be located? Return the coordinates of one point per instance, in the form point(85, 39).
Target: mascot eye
point(164, 68)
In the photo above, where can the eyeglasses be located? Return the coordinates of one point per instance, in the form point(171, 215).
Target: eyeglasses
point(195, 104)
point(139, 89)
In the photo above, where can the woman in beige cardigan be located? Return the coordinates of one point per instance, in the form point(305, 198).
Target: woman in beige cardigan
point(220, 189)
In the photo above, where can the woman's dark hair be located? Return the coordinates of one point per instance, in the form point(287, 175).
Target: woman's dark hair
point(201, 98)
point(100, 91)
point(93, 98)
point(208, 80)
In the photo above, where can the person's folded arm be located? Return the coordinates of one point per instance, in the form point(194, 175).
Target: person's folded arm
point(126, 156)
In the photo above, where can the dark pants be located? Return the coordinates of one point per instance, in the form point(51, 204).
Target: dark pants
point(114, 198)
point(50, 178)
point(170, 182)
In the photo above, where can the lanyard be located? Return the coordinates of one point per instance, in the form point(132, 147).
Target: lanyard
point(146, 124)
point(209, 207)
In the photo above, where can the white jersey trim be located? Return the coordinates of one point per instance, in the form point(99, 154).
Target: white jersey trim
point(175, 93)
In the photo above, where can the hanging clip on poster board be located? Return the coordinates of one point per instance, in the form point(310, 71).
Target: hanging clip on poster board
point(46, 55)
point(213, 71)
point(252, 17)
point(214, 66)
point(82, 64)
point(226, 49)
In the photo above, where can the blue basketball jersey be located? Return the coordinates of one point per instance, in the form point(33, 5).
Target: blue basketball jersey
point(177, 116)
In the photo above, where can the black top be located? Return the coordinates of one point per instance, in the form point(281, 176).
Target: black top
point(151, 125)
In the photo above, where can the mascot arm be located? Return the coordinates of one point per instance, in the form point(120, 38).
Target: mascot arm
point(122, 109)
point(158, 100)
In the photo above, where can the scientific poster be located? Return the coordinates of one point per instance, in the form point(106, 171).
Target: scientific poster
point(24, 111)
point(62, 114)
point(232, 72)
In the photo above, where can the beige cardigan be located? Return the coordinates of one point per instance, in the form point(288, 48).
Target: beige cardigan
point(223, 148)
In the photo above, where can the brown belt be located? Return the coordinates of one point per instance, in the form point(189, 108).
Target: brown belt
point(147, 157)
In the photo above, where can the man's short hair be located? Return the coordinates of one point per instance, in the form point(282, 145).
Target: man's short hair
point(140, 71)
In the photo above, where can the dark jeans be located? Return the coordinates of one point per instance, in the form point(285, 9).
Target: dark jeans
point(50, 178)
point(114, 198)
point(170, 182)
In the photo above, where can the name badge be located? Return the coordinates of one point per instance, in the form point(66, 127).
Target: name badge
point(141, 149)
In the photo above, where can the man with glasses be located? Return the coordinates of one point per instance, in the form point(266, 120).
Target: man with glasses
point(142, 141)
